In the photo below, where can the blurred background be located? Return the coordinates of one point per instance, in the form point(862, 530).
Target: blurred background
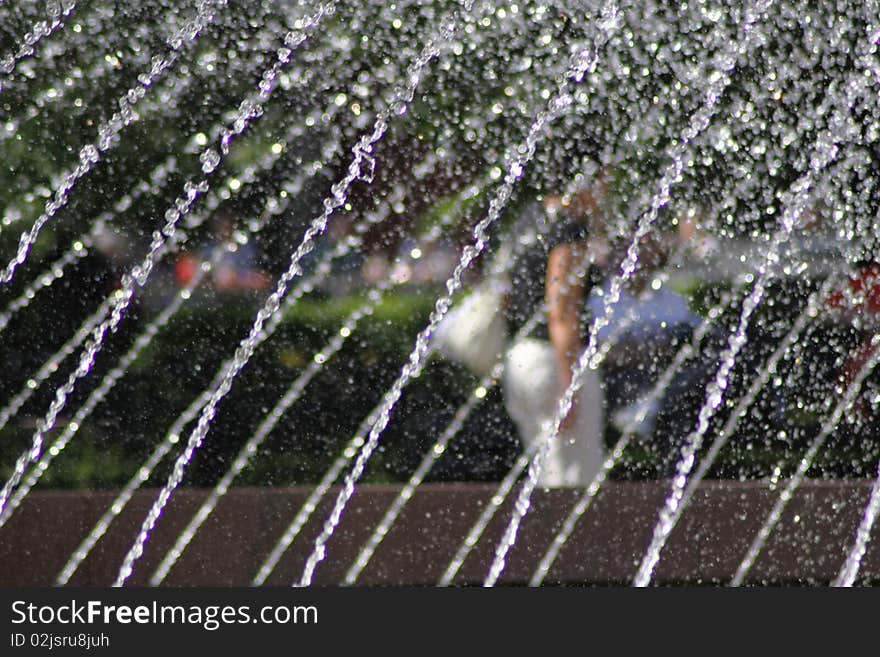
point(431, 179)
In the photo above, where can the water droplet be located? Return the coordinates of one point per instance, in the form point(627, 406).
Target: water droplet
point(89, 154)
point(210, 160)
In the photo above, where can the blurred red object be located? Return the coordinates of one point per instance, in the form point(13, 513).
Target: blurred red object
point(860, 298)
point(185, 268)
point(863, 293)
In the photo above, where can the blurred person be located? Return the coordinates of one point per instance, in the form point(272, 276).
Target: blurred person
point(539, 369)
point(648, 324)
point(236, 269)
point(651, 321)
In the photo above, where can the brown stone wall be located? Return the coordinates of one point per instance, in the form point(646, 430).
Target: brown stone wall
point(807, 548)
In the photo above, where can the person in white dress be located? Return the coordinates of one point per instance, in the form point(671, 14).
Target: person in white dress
point(538, 371)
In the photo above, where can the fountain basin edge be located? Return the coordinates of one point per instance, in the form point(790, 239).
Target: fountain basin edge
point(808, 546)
